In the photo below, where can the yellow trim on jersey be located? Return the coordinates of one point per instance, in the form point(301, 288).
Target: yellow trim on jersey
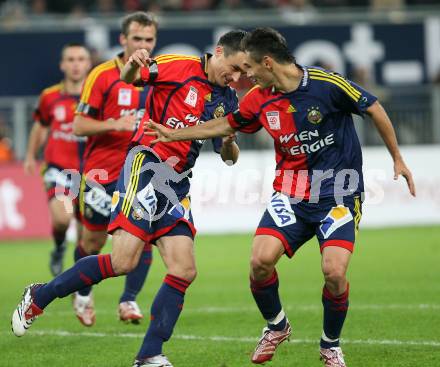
point(250, 90)
point(163, 60)
point(52, 88)
point(133, 183)
point(358, 214)
point(337, 80)
point(163, 57)
point(82, 187)
point(91, 79)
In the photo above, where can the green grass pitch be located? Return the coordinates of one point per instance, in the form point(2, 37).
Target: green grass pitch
point(394, 316)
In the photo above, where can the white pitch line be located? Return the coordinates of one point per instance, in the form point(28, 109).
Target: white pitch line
point(303, 308)
point(218, 338)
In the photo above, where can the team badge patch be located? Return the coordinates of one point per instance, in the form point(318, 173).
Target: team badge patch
point(191, 97)
point(124, 97)
point(60, 113)
point(273, 118)
point(219, 110)
point(281, 211)
point(314, 115)
point(181, 210)
point(337, 217)
point(138, 213)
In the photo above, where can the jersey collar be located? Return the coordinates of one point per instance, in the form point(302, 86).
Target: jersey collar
point(303, 85)
point(118, 61)
point(204, 59)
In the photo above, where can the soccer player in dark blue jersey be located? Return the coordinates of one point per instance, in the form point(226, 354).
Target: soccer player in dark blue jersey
point(318, 185)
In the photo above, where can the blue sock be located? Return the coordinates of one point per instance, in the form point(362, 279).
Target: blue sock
point(165, 311)
point(87, 271)
point(59, 236)
point(78, 254)
point(134, 281)
point(335, 311)
point(268, 300)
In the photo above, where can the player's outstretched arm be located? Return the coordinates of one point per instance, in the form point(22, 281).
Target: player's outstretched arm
point(86, 126)
point(210, 129)
point(130, 72)
point(385, 127)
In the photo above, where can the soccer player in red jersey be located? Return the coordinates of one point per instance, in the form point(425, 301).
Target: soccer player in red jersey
point(107, 114)
point(151, 201)
point(63, 150)
point(318, 185)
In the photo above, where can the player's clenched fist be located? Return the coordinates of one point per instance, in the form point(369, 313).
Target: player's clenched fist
point(140, 58)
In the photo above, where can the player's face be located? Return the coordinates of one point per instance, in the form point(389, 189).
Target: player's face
point(139, 37)
point(75, 63)
point(229, 68)
point(259, 72)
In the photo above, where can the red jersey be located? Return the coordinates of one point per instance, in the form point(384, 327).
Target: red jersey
point(56, 110)
point(182, 96)
point(105, 96)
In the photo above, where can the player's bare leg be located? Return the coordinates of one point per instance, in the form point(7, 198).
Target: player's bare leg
point(87, 271)
point(266, 251)
point(334, 265)
point(177, 253)
point(61, 215)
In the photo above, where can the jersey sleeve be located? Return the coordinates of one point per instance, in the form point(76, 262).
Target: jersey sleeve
point(350, 97)
point(245, 118)
point(168, 69)
point(41, 112)
point(92, 95)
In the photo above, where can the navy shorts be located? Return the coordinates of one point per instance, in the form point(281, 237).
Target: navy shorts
point(151, 199)
point(95, 204)
point(296, 223)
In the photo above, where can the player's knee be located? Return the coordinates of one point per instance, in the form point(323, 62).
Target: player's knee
point(122, 264)
point(188, 273)
point(335, 275)
point(60, 224)
point(261, 267)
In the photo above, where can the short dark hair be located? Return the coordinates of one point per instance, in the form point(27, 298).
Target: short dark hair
point(73, 44)
point(231, 41)
point(267, 42)
point(141, 17)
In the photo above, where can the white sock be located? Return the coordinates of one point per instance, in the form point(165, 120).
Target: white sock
point(327, 339)
point(278, 318)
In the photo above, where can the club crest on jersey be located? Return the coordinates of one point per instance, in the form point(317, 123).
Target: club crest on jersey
point(219, 110)
point(273, 118)
point(337, 217)
point(191, 97)
point(314, 115)
point(124, 97)
point(60, 113)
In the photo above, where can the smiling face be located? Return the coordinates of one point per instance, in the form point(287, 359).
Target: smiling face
point(226, 69)
point(259, 72)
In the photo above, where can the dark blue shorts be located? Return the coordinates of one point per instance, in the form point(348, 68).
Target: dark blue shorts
point(95, 204)
point(296, 223)
point(151, 199)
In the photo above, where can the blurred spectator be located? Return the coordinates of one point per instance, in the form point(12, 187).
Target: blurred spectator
point(198, 4)
point(38, 7)
point(13, 14)
point(380, 5)
point(105, 6)
point(295, 5)
point(6, 152)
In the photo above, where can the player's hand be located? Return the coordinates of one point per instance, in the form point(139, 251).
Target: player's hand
point(124, 123)
point(400, 168)
point(228, 140)
point(140, 58)
point(29, 165)
point(162, 133)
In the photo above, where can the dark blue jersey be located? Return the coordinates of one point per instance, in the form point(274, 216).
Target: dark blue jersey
point(317, 149)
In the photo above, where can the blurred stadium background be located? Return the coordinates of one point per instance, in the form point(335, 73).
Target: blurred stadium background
point(390, 47)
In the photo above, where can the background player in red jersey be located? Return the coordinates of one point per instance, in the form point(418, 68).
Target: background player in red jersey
point(63, 150)
point(107, 114)
point(308, 113)
point(151, 200)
